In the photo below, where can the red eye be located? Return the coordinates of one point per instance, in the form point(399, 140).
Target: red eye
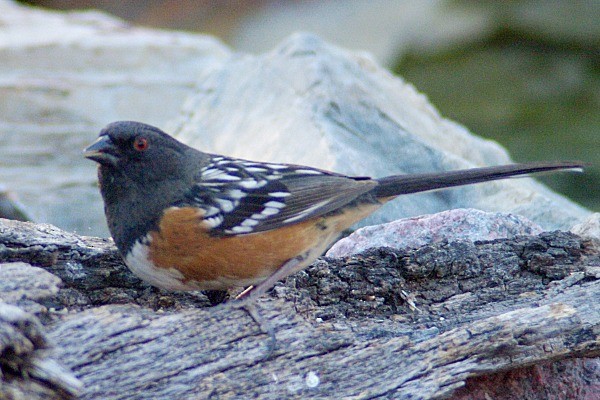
point(140, 144)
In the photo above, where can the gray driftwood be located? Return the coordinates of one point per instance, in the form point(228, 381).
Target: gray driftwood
point(384, 324)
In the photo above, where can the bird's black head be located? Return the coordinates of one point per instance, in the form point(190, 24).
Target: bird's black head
point(142, 171)
point(141, 152)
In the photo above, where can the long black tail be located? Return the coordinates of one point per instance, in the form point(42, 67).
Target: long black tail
point(413, 183)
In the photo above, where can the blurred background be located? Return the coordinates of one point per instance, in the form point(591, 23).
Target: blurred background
point(523, 72)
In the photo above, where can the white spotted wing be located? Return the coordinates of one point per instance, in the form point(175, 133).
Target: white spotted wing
point(240, 196)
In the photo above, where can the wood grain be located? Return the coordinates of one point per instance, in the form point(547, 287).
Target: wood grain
point(418, 324)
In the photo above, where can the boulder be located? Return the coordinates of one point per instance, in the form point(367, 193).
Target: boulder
point(448, 226)
point(63, 77)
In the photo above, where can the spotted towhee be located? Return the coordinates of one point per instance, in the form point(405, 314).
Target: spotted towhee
point(187, 220)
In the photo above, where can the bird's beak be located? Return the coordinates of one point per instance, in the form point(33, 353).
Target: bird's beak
point(102, 151)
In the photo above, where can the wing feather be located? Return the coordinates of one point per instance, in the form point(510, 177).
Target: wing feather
point(251, 197)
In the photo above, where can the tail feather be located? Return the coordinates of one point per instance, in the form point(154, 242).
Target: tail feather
point(392, 186)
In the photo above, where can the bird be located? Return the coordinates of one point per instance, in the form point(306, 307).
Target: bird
point(183, 219)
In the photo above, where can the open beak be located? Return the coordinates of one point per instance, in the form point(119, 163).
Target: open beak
point(102, 151)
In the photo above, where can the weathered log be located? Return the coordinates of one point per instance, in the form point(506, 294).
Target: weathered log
point(28, 369)
point(382, 324)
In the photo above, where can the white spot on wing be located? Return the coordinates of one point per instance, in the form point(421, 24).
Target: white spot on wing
point(226, 177)
point(213, 221)
point(226, 205)
point(218, 175)
point(252, 184)
point(211, 210)
point(236, 194)
point(270, 211)
point(279, 194)
point(308, 171)
point(241, 229)
point(210, 171)
point(306, 212)
point(261, 215)
point(294, 218)
point(249, 222)
point(256, 169)
point(275, 204)
point(277, 166)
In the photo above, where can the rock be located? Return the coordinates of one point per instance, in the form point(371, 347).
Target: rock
point(589, 227)
point(10, 207)
point(451, 226)
point(308, 102)
point(65, 75)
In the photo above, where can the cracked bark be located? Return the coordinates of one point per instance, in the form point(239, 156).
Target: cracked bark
point(413, 324)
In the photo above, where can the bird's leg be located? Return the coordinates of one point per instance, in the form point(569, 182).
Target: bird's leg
point(247, 300)
point(288, 268)
point(245, 293)
point(249, 306)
